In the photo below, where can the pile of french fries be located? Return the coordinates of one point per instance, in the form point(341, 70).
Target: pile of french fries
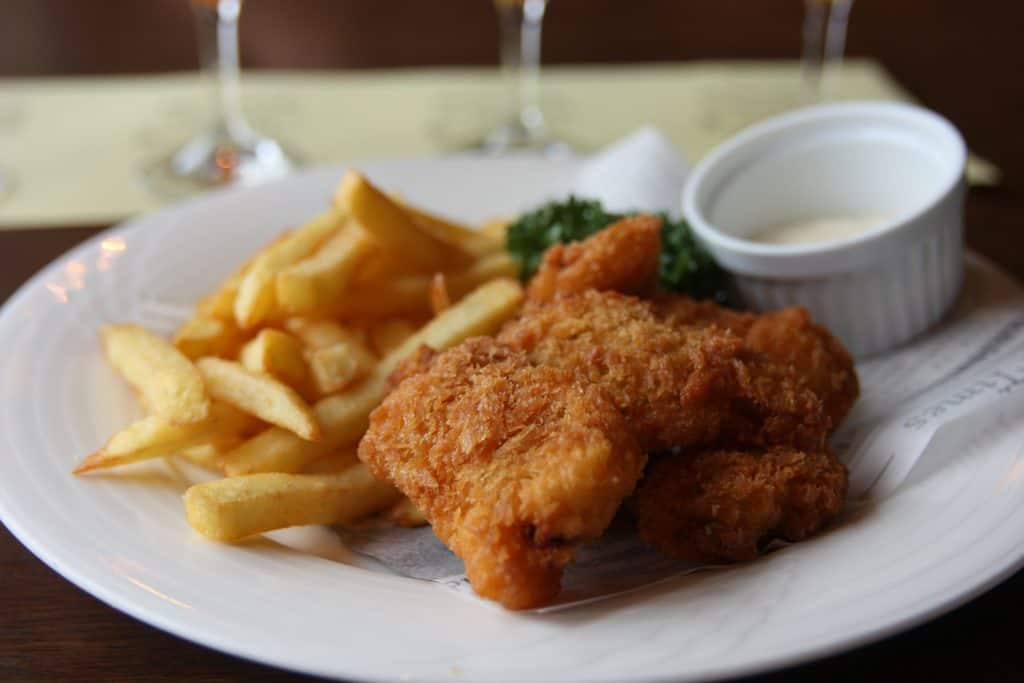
point(272, 380)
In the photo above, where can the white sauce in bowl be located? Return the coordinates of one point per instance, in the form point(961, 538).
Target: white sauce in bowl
point(824, 229)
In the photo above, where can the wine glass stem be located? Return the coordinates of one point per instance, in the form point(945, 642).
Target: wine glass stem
point(825, 24)
point(835, 35)
point(815, 16)
point(529, 75)
point(520, 27)
point(218, 54)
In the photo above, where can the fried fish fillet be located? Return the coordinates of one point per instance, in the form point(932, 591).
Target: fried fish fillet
point(623, 258)
point(722, 505)
point(682, 311)
point(672, 387)
point(772, 390)
point(514, 465)
point(783, 348)
point(788, 337)
point(677, 385)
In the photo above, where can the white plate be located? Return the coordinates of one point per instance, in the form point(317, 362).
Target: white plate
point(124, 538)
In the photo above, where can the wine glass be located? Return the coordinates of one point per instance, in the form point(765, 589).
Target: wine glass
point(524, 127)
point(230, 151)
point(825, 24)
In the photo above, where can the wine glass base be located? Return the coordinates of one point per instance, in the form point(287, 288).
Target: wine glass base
point(515, 137)
point(215, 159)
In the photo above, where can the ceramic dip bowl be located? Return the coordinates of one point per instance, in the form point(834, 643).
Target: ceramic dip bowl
point(854, 211)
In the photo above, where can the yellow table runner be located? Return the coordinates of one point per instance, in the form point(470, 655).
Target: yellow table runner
point(75, 146)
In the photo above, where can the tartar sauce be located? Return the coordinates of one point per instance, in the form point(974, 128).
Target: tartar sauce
point(825, 229)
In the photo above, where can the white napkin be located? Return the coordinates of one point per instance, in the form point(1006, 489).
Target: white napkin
point(643, 171)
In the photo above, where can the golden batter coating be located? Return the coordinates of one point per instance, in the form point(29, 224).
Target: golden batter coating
point(514, 465)
point(788, 337)
point(715, 506)
point(623, 258)
point(676, 385)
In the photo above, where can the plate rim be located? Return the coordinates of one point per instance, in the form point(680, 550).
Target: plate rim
point(192, 631)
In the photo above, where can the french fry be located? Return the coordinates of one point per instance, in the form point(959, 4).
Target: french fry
point(260, 395)
point(475, 242)
point(232, 509)
point(209, 455)
point(256, 300)
point(166, 380)
point(273, 450)
point(319, 334)
point(221, 303)
point(389, 334)
point(154, 437)
point(313, 283)
point(205, 455)
point(279, 450)
point(405, 513)
point(379, 266)
point(440, 300)
point(410, 294)
point(345, 416)
point(496, 229)
point(480, 312)
point(487, 268)
point(276, 353)
point(393, 228)
point(403, 295)
point(334, 367)
point(208, 336)
point(338, 461)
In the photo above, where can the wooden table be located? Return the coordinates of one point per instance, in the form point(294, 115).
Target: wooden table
point(963, 59)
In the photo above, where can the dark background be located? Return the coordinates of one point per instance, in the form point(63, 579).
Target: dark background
point(964, 59)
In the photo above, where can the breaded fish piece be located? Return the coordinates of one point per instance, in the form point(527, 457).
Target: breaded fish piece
point(676, 385)
point(623, 257)
point(773, 406)
point(723, 505)
point(792, 338)
point(682, 311)
point(787, 345)
point(673, 386)
point(514, 465)
point(788, 337)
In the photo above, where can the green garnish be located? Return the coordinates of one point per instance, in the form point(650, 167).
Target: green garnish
point(685, 266)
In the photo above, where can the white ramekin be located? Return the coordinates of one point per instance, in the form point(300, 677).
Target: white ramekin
point(874, 290)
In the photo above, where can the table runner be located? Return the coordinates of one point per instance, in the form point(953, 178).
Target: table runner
point(75, 146)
